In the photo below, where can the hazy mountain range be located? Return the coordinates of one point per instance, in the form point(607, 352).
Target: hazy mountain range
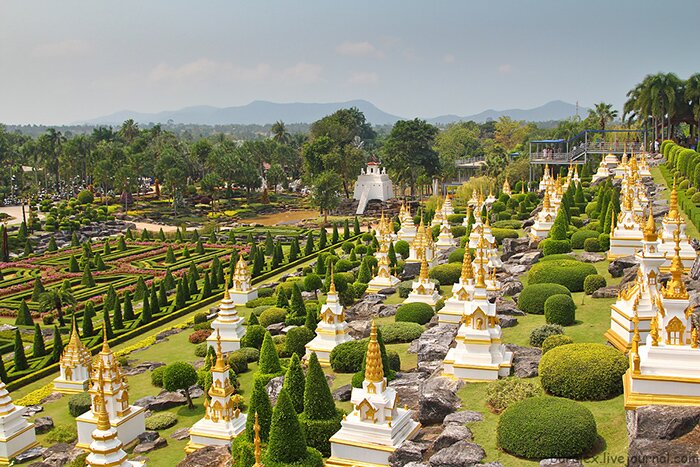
point(263, 112)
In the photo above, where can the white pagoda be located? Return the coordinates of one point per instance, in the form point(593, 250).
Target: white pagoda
point(506, 187)
point(479, 354)
point(638, 298)
point(384, 279)
point(331, 331)
point(227, 324)
point(481, 229)
point(372, 183)
point(666, 371)
point(106, 449)
point(75, 366)
point(107, 379)
point(439, 215)
point(626, 235)
point(669, 224)
point(407, 232)
point(621, 169)
point(602, 172)
point(546, 178)
point(16, 433)
point(376, 427)
point(486, 253)
point(447, 207)
point(223, 420)
point(422, 246)
point(241, 289)
point(424, 289)
point(462, 291)
point(545, 218)
point(644, 170)
point(445, 239)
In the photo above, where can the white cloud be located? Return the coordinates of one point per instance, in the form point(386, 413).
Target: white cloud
point(359, 49)
point(505, 68)
point(205, 69)
point(66, 48)
point(448, 58)
point(363, 78)
point(302, 72)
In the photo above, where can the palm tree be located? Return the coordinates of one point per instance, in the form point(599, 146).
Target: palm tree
point(52, 147)
point(692, 96)
point(280, 133)
point(55, 299)
point(604, 113)
point(129, 130)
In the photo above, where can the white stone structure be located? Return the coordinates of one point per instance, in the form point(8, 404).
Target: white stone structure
point(422, 246)
point(376, 427)
point(407, 232)
point(546, 178)
point(602, 172)
point(626, 234)
point(445, 239)
point(228, 325)
point(666, 371)
point(638, 299)
point(331, 331)
point(242, 290)
point(447, 207)
point(424, 289)
point(223, 420)
point(545, 218)
point(669, 225)
point(479, 354)
point(462, 292)
point(372, 183)
point(384, 279)
point(16, 433)
point(107, 379)
point(75, 366)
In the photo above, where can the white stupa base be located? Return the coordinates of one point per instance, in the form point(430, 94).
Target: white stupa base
point(323, 344)
point(600, 174)
point(488, 363)
point(128, 427)
point(452, 312)
point(241, 298)
point(359, 444)
point(230, 334)
point(622, 327)
point(629, 245)
point(431, 299)
point(17, 435)
point(65, 386)
point(379, 283)
point(445, 243)
point(645, 389)
point(540, 230)
point(209, 433)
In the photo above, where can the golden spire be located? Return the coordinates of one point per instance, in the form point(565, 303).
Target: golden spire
point(650, 234)
point(673, 205)
point(331, 289)
point(256, 442)
point(467, 268)
point(227, 294)
point(481, 197)
point(675, 288)
point(612, 221)
point(423, 268)
point(634, 354)
point(481, 277)
point(105, 345)
point(102, 415)
point(220, 364)
point(374, 371)
point(546, 203)
point(522, 187)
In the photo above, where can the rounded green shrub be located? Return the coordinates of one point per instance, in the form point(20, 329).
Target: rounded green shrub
point(404, 288)
point(583, 371)
point(555, 341)
point(238, 362)
point(568, 273)
point(296, 340)
point(251, 354)
point(347, 357)
point(502, 393)
point(85, 197)
point(272, 315)
point(532, 298)
point(254, 336)
point(161, 421)
point(401, 247)
point(201, 350)
point(455, 218)
point(604, 241)
point(256, 302)
point(62, 434)
point(560, 309)
point(509, 224)
point(550, 246)
point(546, 427)
point(457, 256)
point(696, 198)
point(417, 312)
point(593, 282)
point(200, 317)
point(539, 334)
point(683, 185)
point(580, 236)
point(343, 265)
point(157, 375)
point(446, 274)
point(78, 404)
point(398, 332)
point(592, 245)
point(500, 234)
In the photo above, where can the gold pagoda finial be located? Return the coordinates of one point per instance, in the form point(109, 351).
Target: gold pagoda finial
point(650, 234)
point(467, 268)
point(634, 354)
point(546, 203)
point(220, 364)
point(675, 288)
point(256, 442)
point(331, 289)
point(423, 268)
point(673, 205)
point(374, 370)
point(105, 345)
point(612, 222)
point(481, 277)
point(227, 294)
point(103, 423)
point(522, 187)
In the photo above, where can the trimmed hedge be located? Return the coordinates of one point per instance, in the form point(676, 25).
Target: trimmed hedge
point(457, 256)
point(592, 245)
point(417, 312)
point(500, 234)
point(254, 336)
point(347, 357)
point(583, 371)
point(560, 309)
point(532, 298)
point(161, 421)
point(569, 273)
point(579, 237)
point(446, 274)
point(502, 393)
point(78, 404)
point(538, 335)
point(593, 282)
point(549, 246)
point(272, 315)
point(555, 341)
point(545, 427)
point(401, 332)
point(296, 340)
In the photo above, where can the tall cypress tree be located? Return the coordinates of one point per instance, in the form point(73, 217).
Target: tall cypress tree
point(269, 244)
point(318, 400)
point(73, 264)
point(346, 230)
point(87, 279)
point(294, 249)
point(3, 371)
point(121, 243)
point(155, 306)
point(117, 317)
point(24, 317)
point(110, 298)
point(206, 286)
point(162, 295)
point(170, 255)
point(57, 345)
point(296, 305)
point(184, 280)
point(145, 311)
point(322, 239)
point(161, 235)
point(52, 246)
point(107, 325)
point(269, 362)
point(180, 300)
point(259, 403)
point(141, 289)
point(20, 358)
point(309, 247)
point(356, 226)
point(193, 269)
point(199, 249)
point(38, 289)
point(39, 348)
point(334, 235)
point(282, 301)
point(88, 314)
point(107, 249)
point(99, 263)
point(128, 308)
point(192, 286)
point(169, 280)
point(287, 441)
point(294, 383)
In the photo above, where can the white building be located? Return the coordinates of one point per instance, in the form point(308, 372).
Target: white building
point(75, 366)
point(228, 325)
point(242, 290)
point(16, 433)
point(372, 183)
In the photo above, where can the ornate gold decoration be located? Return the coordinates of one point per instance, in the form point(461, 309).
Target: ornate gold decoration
point(650, 234)
point(256, 442)
point(675, 288)
point(374, 371)
point(654, 331)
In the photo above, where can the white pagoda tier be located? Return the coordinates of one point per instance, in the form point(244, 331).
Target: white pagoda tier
point(439, 215)
point(626, 234)
point(478, 229)
point(376, 427)
point(385, 233)
point(544, 221)
point(602, 172)
point(490, 199)
point(638, 299)
point(448, 208)
point(620, 170)
point(407, 232)
point(383, 279)
point(227, 324)
point(241, 289)
point(445, 239)
point(16, 433)
point(486, 253)
point(666, 371)
point(465, 221)
point(331, 331)
point(106, 449)
point(462, 292)
point(75, 366)
point(422, 246)
point(223, 420)
point(611, 161)
point(669, 225)
point(107, 379)
point(506, 187)
point(479, 354)
point(424, 289)
point(644, 170)
point(474, 200)
point(546, 178)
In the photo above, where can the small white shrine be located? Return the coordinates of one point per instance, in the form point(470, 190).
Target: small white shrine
point(447, 207)
point(331, 331)
point(383, 279)
point(107, 379)
point(462, 292)
point(666, 371)
point(486, 253)
point(545, 218)
point(75, 366)
point(669, 224)
point(506, 187)
point(602, 172)
point(439, 215)
point(223, 420)
point(478, 229)
point(546, 178)
point(479, 354)
point(445, 239)
point(16, 433)
point(228, 325)
point(372, 183)
point(422, 246)
point(625, 234)
point(644, 170)
point(106, 449)
point(638, 298)
point(407, 232)
point(242, 290)
point(376, 427)
point(621, 169)
point(424, 289)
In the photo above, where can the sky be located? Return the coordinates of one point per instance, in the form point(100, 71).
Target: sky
point(71, 60)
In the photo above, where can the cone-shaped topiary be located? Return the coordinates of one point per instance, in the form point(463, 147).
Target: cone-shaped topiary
point(121, 243)
point(558, 230)
point(180, 299)
point(20, 357)
point(287, 441)
point(155, 306)
point(318, 400)
point(294, 383)
point(38, 289)
point(57, 345)
point(162, 295)
point(334, 236)
point(39, 347)
point(170, 255)
point(110, 298)
point(260, 404)
point(73, 264)
point(117, 317)
point(199, 249)
point(87, 279)
point(269, 245)
point(192, 286)
point(296, 305)
point(206, 286)
point(146, 311)
point(269, 362)
point(88, 314)
point(24, 317)
point(309, 247)
point(107, 324)
point(282, 301)
point(128, 307)
point(294, 250)
point(346, 230)
point(141, 290)
point(364, 275)
point(107, 249)
point(99, 263)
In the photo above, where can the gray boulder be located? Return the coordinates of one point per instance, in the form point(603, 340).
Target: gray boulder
point(629, 275)
point(507, 307)
point(511, 288)
point(359, 329)
point(43, 425)
point(527, 258)
point(181, 434)
point(617, 266)
point(434, 343)
point(274, 387)
point(462, 417)
point(515, 269)
point(438, 398)
point(275, 329)
point(407, 452)
point(30, 454)
point(143, 448)
point(209, 456)
point(410, 270)
point(450, 435)
point(407, 386)
point(162, 401)
point(460, 454)
point(606, 292)
point(512, 246)
point(661, 422)
point(343, 393)
point(526, 360)
point(590, 257)
point(148, 436)
point(365, 310)
point(507, 321)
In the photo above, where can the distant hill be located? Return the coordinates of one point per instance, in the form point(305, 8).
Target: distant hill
point(554, 110)
point(257, 112)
